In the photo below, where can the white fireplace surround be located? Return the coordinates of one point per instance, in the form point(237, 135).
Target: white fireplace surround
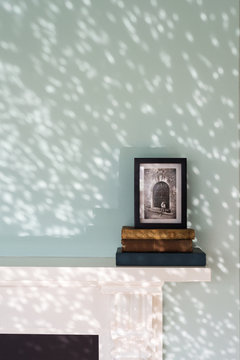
point(123, 305)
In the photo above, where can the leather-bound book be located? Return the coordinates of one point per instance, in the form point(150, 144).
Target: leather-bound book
point(153, 245)
point(196, 258)
point(129, 232)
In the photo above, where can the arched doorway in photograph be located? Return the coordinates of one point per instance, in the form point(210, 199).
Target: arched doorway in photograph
point(161, 195)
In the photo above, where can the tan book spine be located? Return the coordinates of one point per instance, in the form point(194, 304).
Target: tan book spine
point(157, 234)
point(153, 245)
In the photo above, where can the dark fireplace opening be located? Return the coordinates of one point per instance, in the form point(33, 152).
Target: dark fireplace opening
point(48, 347)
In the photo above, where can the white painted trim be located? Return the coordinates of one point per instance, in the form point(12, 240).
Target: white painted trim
point(128, 321)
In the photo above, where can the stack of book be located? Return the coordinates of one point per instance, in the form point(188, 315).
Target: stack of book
point(159, 247)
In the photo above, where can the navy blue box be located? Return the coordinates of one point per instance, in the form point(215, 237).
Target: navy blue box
point(195, 258)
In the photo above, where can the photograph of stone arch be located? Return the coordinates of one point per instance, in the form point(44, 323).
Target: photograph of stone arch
point(160, 193)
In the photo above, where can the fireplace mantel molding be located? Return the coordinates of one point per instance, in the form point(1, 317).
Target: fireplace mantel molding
point(123, 305)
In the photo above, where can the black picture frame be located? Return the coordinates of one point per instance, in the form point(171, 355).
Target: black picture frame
point(160, 193)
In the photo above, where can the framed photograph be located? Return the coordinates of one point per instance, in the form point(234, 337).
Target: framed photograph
point(160, 193)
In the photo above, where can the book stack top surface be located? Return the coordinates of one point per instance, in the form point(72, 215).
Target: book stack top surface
point(129, 232)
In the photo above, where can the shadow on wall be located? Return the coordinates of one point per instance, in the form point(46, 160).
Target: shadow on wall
point(81, 83)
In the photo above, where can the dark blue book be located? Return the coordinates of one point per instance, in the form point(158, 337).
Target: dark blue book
point(196, 258)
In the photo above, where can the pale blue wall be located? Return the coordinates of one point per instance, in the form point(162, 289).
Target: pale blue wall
point(86, 86)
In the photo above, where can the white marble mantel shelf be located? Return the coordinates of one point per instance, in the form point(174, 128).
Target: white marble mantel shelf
point(123, 305)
